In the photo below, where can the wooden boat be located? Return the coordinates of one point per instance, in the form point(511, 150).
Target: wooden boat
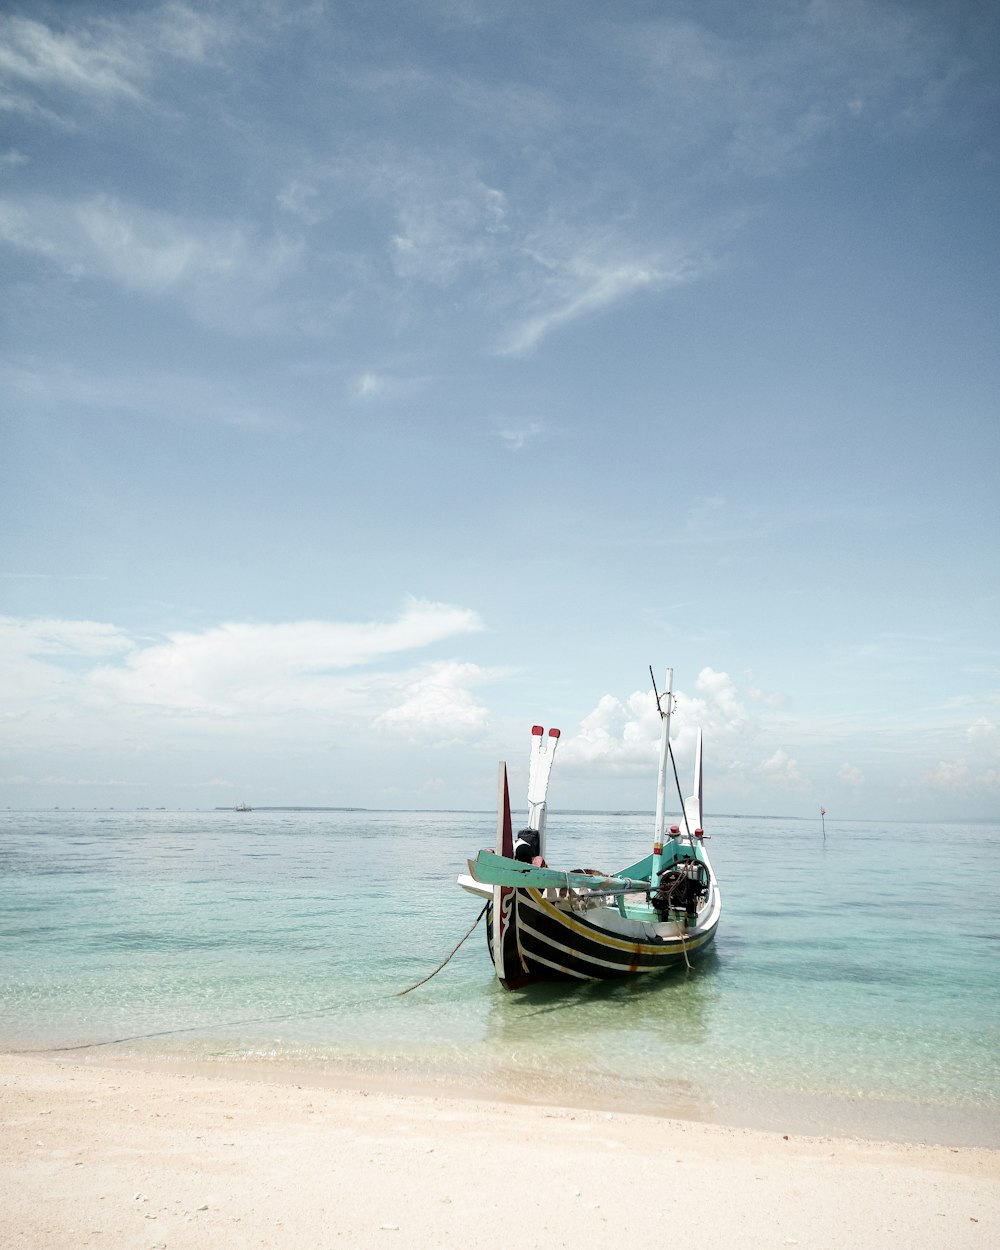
point(545, 924)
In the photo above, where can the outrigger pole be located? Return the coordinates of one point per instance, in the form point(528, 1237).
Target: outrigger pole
point(664, 704)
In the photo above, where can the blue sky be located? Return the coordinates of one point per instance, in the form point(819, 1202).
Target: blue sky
point(377, 379)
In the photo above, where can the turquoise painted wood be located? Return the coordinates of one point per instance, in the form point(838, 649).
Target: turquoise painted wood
point(493, 869)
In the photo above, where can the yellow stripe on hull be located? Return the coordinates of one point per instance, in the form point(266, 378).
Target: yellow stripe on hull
point(597, 934)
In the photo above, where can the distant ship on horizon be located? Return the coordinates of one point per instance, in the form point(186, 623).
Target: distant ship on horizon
point(243, 807)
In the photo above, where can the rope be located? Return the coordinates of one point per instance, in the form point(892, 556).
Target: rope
point(425, 979)
point(684, 949)
point(230, 1024)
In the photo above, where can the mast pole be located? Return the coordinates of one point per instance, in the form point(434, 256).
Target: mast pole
point(664, 703)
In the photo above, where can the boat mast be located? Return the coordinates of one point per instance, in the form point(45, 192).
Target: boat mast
point(664, 703)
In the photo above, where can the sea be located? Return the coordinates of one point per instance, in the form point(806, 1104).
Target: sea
point(853, 988)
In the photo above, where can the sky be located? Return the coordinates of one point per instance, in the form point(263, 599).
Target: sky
point(378, 379)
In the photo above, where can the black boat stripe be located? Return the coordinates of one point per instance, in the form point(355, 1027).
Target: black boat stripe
point(537, 949)
point(541, 964)
point(534, 945)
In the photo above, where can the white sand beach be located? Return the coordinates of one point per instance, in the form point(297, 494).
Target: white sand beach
point(96, 1155)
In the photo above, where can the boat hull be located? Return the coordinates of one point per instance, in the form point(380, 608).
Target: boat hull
point(544, 941)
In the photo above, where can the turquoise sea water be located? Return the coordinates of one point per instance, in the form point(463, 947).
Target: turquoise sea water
point(853, 986)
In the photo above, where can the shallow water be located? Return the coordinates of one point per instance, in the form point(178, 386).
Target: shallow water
point(852, 988)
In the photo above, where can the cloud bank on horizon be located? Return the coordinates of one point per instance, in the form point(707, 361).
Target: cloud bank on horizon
point(86, 686)
point(647, 333)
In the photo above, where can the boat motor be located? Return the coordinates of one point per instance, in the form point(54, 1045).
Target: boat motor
point(527, 845)
point(682, 887)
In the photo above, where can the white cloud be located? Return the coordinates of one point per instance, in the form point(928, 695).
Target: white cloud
point(370, 386)
point(441, 236)
point(52, 637)
point(101, 60)
point(852, 775)
point(18, 227)
point(588, 280)
point(768, 698)
point(948, 775)
point(984, 734)
point(219, 270)
point(300, 198)
point(765, 106)
point(438, 703)
point(960, 778)
point(247, 672)
point(973, 772)
point(720, 706)
point(40, 663)
point(282, 709)
point(782, 771)
point(156, 252)
point(615, 738)
point(620, 738)
point(517, 438)
point(189, 34)
point(529, 269)
point(147, 250)
point(32, 53)
point(273, 668)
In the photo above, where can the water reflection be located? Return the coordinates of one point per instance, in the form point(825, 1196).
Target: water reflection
point(673, 1003)
point(609, 1043)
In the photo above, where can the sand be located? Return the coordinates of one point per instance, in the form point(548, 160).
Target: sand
point(101, 1156)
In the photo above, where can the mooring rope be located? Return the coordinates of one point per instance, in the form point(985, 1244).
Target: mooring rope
point(424, 980)
point(684, 949)
point(230, 1024)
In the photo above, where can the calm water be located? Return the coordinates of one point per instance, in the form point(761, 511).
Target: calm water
point(854, 984)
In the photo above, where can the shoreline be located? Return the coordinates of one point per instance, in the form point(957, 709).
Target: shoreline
point(762, 1108)
point(95, 1154)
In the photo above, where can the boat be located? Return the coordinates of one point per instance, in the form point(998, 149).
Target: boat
point(243, 807)
point(547, 924)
